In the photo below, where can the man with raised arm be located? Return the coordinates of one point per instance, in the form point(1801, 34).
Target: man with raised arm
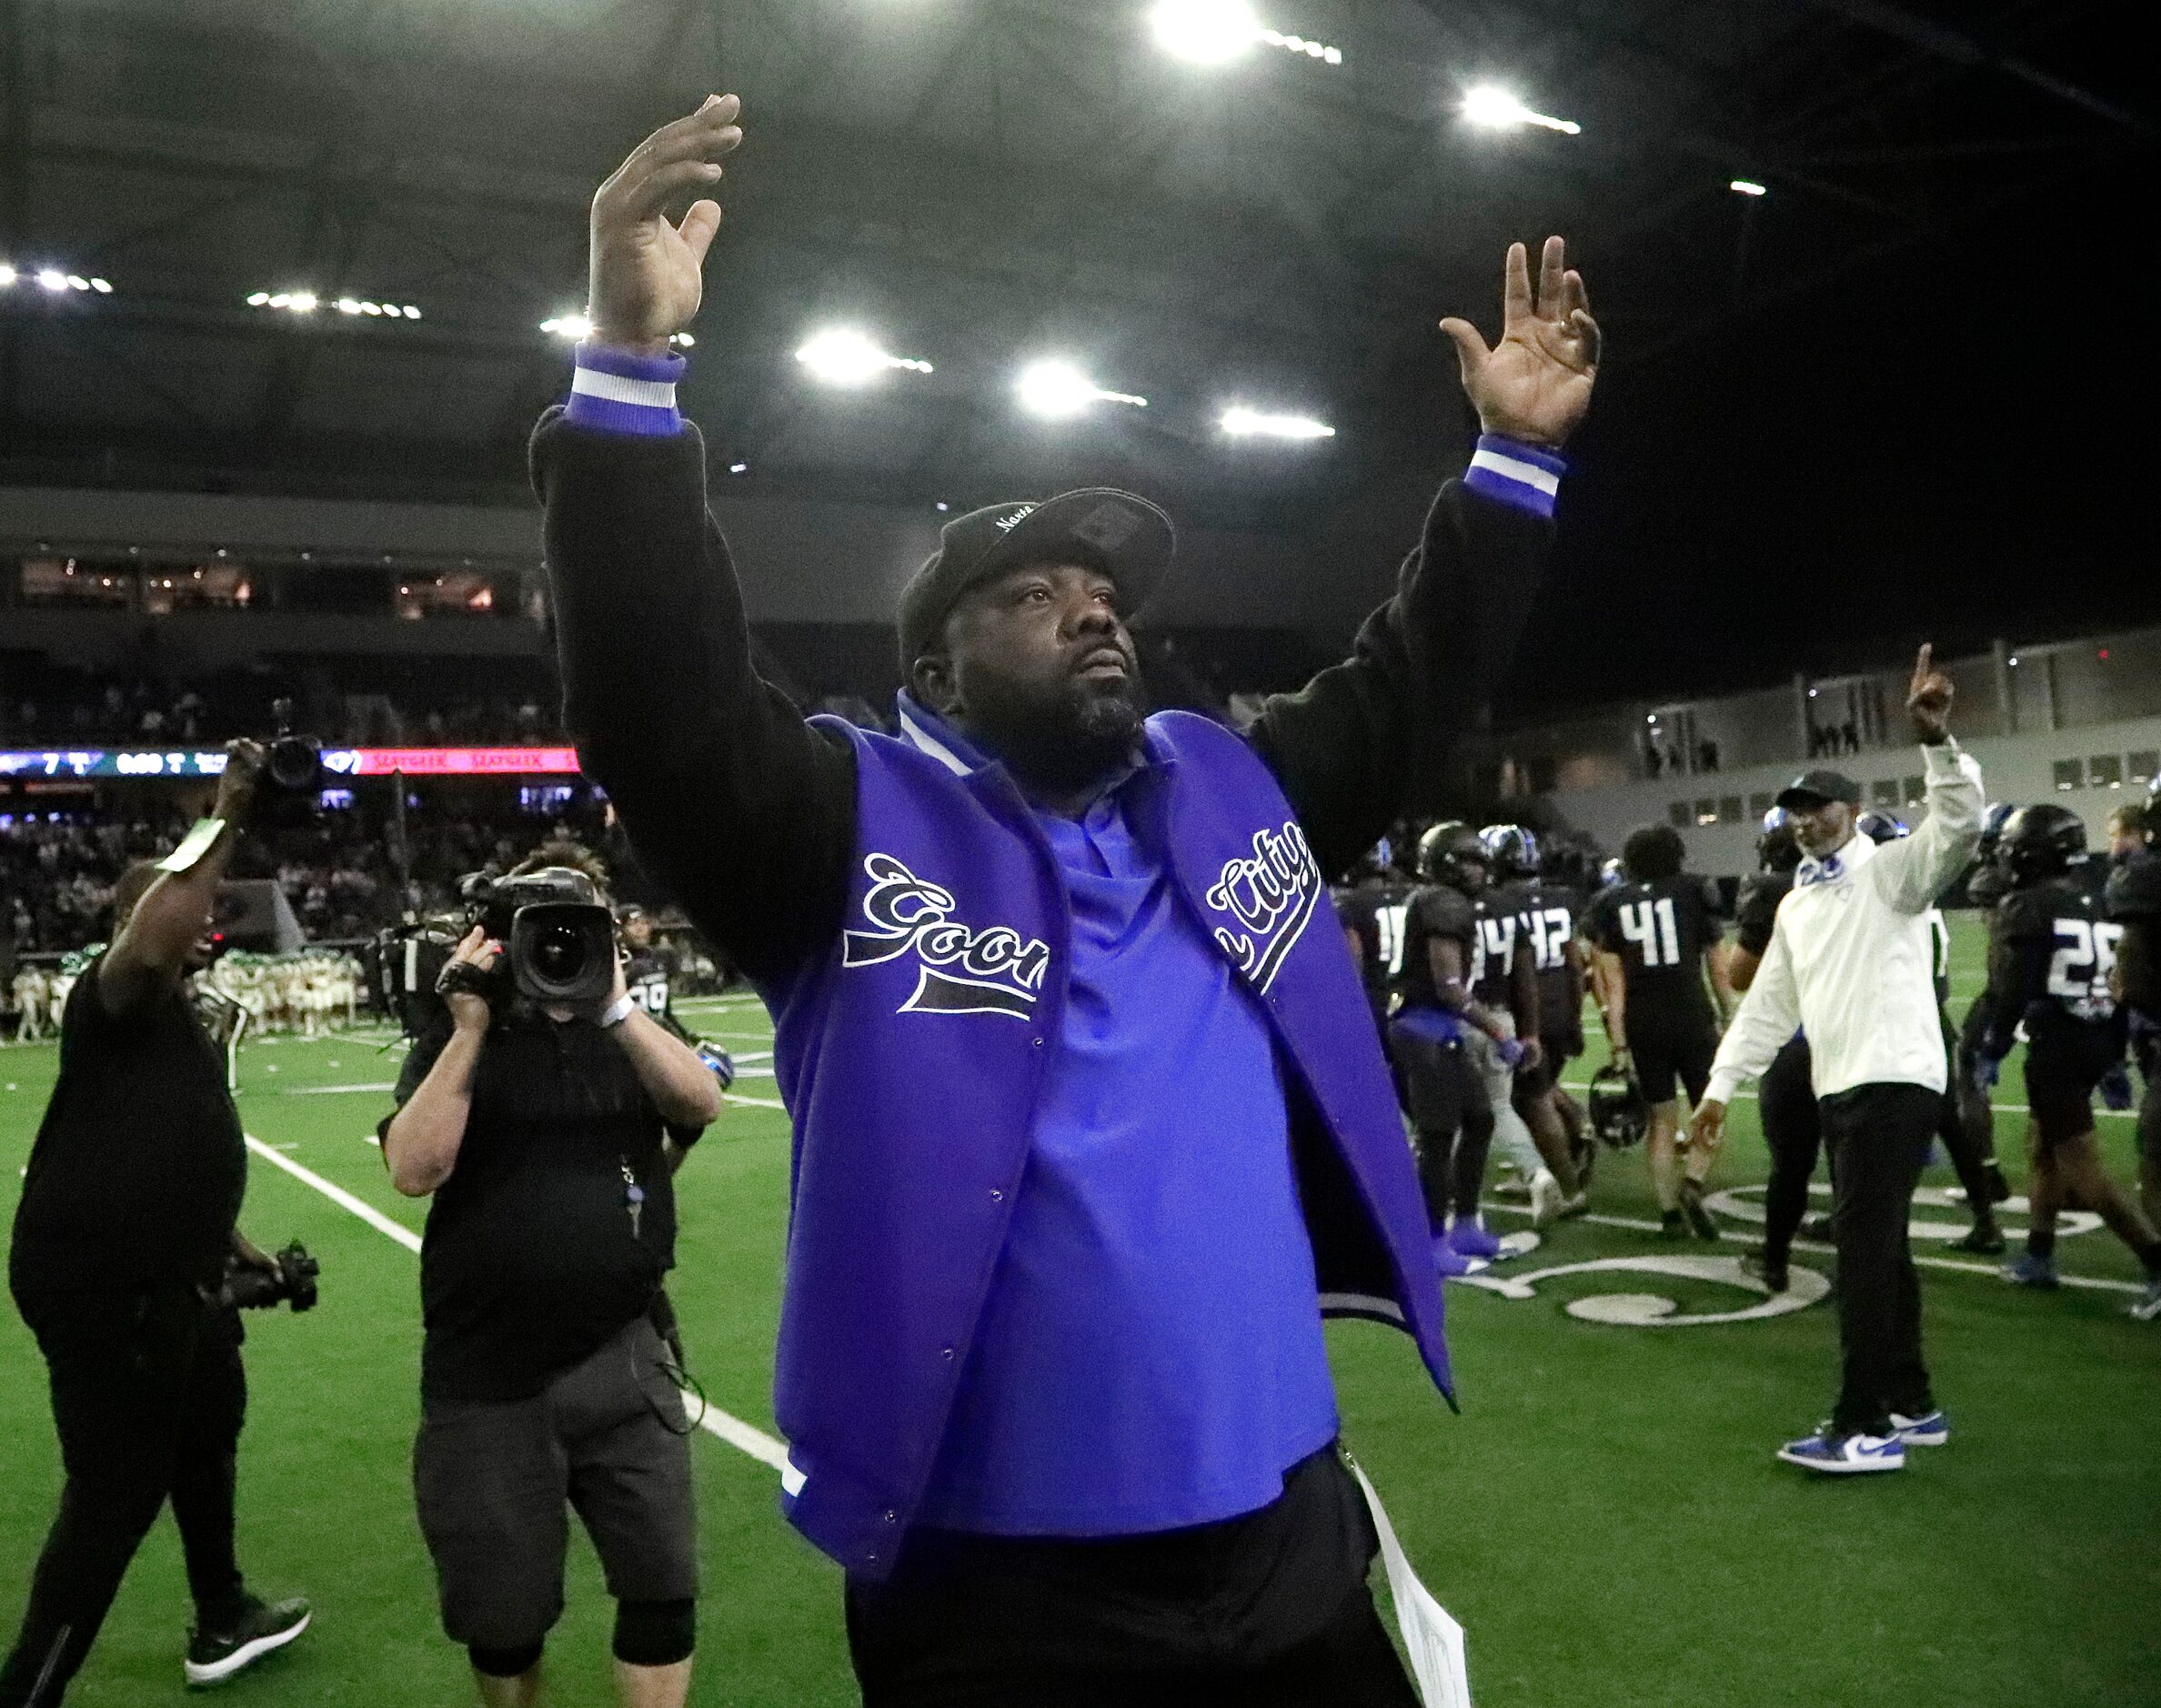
point(1851, 962)
point(1092, 1126)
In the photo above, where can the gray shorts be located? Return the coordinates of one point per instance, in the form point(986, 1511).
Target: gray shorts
point(496, 1483)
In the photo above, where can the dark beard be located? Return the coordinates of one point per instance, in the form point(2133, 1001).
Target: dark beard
point(1064, 741)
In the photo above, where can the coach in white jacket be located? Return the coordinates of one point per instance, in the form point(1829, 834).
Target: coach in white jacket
point(1850, 963)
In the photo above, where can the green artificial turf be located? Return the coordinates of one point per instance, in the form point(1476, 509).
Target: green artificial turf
point(1604, 1518)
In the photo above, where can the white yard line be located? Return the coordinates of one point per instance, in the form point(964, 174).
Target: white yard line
point(1641, 1226)
point(743, 1437)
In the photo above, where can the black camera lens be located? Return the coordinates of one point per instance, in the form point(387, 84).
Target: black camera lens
point(561, 951)
point(293, 763)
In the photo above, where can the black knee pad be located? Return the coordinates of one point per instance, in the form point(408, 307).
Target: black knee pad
point(655, 1634)
point(505, 1662)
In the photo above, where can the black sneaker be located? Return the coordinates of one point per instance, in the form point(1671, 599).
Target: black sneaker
point(213, 1656)
point(1819, 1229)
point(1701, 1223)
point(1999, 1188)
point(1771, 1271)
point(1670, 1226)
point(1984, 1238)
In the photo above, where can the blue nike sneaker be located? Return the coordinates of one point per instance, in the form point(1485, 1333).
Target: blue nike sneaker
point(1451, 1264)
point(1834, 1452)
point(1472, 1241)
point(1931, 1429)
point(2028, 1270)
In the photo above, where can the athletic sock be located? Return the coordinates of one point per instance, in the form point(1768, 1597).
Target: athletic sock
point(2041, 1242)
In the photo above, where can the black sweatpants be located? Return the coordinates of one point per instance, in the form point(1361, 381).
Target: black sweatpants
point(1794, 1134)
point(1267, 1611)
point(148, 1397)
point(1878, 1136)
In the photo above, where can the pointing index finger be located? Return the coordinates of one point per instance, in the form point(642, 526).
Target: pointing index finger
point(1515, 294)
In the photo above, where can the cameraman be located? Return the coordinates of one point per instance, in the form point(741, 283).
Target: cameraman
point(547, 1137)
point(123, 1239)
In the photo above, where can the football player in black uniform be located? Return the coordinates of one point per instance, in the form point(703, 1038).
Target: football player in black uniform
point(2055, 958)
point(1371, 908)
point(648, 969)
point(1785, 1098)
point(1443, 1093)
point(1545, 914)
point(1986, 886)
point(1659, 943)
point(2132, 900)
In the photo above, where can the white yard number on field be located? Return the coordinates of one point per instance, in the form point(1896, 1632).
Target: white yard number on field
point(1651, 927)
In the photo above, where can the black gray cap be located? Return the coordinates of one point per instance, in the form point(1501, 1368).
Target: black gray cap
point(1132, 537)
point(1812, 788)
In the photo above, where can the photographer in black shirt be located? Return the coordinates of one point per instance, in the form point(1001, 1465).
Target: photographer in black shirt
point(547, 1134)
point(123, 1242)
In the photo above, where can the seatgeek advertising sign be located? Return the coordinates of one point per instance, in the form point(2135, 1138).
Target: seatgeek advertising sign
point(64, 764)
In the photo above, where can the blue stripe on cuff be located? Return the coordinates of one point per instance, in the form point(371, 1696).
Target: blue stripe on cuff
point(1525, 476)
point(617, 391)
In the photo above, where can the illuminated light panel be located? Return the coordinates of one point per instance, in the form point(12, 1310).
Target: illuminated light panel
point(1207, 32)
point(1495, 108)
point(1240, 422)
point(840, 355)
point(1057, 390)
point(1748, 186)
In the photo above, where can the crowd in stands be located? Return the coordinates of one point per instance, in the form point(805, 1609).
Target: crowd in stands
point(338, 869)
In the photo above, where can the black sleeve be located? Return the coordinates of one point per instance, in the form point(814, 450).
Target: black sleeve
point(731, 802)
point(2134, 890)
point(2018, 960)
point(1757, 916)
point(1366, 737)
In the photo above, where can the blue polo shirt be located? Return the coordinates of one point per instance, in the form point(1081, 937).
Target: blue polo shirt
point(1150, 1355)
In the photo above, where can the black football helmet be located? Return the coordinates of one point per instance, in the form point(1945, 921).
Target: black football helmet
point(2041, 840)
point(1450, 853)
point(1511, 851)
point(1619, 1115)
point(1991, 829)
point(1777, 848)
point(1881, 827)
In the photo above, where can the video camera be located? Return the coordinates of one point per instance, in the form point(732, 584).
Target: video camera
point(558, 943)
point(247, 1288)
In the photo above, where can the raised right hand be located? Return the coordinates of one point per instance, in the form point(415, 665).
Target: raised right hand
point(644, 278)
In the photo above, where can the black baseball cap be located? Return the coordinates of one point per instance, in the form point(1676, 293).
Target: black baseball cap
point(1130, 536)
point(1812, 788)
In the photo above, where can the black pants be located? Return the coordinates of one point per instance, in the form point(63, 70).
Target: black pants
point(1267, 1611)
point(1967, 1138)
point(1879, 1137)
point(148, 1397)
point(1794, 1134)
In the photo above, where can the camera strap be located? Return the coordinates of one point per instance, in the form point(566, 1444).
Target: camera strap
point(198, 842)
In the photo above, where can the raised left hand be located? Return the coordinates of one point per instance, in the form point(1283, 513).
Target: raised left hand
point(1535, 384)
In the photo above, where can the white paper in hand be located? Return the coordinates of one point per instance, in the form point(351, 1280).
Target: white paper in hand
point(1434, 1641)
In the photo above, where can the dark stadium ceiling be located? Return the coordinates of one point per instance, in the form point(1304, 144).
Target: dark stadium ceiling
point(977, 181)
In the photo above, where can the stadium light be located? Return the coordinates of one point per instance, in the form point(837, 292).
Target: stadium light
point(1057, 390)
point(51, 279)
point(571, 326)
point(1748, 186)
point(1207, 32)
point(840, 355)
point(1495, 108)
point(7, 275)
point(1242, 423)
point(1215, 31)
